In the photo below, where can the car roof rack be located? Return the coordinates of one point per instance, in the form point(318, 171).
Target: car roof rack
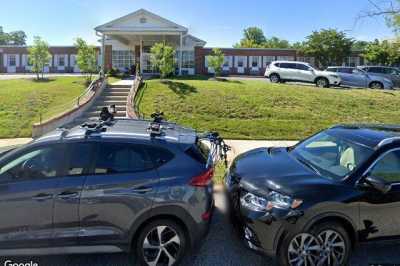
point(388, 141)
point(95, 127)
point(155, 128)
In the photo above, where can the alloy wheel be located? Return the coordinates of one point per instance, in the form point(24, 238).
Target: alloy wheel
point(161, 246)
point(274, 79)
point(333, 248)
point(376, 86)
point(304, 250)
point(322, 83)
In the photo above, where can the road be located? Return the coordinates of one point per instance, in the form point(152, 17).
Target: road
point(220, 247)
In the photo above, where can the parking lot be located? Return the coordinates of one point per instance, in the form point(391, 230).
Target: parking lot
point(220, 247)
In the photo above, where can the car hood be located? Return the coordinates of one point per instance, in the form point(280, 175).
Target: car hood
point(325, 73)
point(265, 169)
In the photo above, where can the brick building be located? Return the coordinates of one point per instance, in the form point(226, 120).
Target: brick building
point(126, 41)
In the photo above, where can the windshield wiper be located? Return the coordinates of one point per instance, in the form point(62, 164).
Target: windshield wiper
point(312, 167)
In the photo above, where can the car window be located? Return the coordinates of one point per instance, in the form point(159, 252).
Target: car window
point(332, 69)
point(391, 71)
point(375, 70)
point(38, 163)
point(388, 167)
point(80, 158)
point(114, 158)
point(159, 156)
point(302, 67)
point(288, 65)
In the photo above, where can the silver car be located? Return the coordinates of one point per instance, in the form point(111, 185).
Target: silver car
point(391, 73)
point(356, 77)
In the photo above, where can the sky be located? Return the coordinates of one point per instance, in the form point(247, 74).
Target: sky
point(220, 23)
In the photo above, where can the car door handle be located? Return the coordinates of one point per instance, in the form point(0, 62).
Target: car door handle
point(67, 195)
point(142, 190)
point(42, 197)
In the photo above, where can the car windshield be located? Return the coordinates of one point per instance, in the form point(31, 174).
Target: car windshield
point(331, 156)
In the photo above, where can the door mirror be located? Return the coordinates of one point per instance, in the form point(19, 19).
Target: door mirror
point(378, 183)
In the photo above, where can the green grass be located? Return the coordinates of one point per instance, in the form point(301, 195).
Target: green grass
point(260, 110)
point(22, 100)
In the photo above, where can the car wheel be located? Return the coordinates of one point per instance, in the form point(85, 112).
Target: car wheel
point(322, 83)
point(274, 78)
point(162, 242)
point(376, 85)
point(335, 244)
point(327, 244)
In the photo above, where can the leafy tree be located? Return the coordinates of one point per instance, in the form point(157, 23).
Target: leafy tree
point(360, 45)
point(12, 38)
point(17, 38)
point(328, 46)
point(163, 58)
point(253, 37)
point(216, 60)
point(86, 58)
point(275, 42)
point(385, 52)
point(39, 56)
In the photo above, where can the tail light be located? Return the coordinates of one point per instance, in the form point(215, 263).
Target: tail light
point(203, 179)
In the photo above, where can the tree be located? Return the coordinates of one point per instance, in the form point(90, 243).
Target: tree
point(216, 60)
point(86, 58)
point(360, 45)
point(163, 58)
point(17, 38)
point(12, 38)
point(328, 46)
point(39, 56)
point(253, 37)
point(385, 52)
point(389, 9)
point(275, 42)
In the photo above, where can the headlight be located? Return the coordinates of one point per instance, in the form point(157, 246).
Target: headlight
point(253, 202)
point(275, 200)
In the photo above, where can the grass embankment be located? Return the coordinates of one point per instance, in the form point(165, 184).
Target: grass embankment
point(22, 100)
point(260, 110)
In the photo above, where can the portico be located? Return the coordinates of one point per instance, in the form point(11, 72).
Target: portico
point(127, 41)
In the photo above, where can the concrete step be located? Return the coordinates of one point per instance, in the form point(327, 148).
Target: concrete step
point(114, 93)
point(96, 114)
point(101, 105)
point(119, 86)
point(112, 98)
point(127, 90)
point(107, 102)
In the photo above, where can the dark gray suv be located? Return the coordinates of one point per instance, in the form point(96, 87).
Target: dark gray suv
point(121, 186)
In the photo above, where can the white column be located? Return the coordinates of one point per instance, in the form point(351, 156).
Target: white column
point(103, 54)
point(180, 54)
point(141, 55)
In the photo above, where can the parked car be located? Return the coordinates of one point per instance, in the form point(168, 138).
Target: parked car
point(356, 77)
point(391, 73)
point(311, 204)
point(115, 187)
point(279, 71)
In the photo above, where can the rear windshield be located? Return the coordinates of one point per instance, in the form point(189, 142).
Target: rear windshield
point(199, 152)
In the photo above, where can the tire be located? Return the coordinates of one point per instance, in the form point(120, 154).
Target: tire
point(289, 254)
point(321, 231)
point(275, 78)
point(170, 232)
point(322, 83)
point(376, 85)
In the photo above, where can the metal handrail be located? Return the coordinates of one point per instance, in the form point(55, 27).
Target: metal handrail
point(76, 102)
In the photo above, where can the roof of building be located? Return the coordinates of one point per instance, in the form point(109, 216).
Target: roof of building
point(125, 129)
point(371, 135)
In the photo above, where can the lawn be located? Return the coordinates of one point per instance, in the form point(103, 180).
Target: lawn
point(22, 100)
point(260, 110)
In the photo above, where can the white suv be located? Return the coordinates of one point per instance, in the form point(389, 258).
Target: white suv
point(280, 71)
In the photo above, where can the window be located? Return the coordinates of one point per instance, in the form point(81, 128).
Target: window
point(241, 61)
point(267, 60)
point(187, 59)
point(61, 60)
point(12, 60)
point(345, 70)
point(303, 67)
point(285, 58)
point(80, 157)
point(388, 167)
point(332, 69)
point(254, 61)
point(35, 164)
point(288, 65)
point(375, 70)
point(122, 59)
point(159, 156)
point(114, 158)
point(390, 71)
point(331, 155)
point(227, 61)
point(143, 20)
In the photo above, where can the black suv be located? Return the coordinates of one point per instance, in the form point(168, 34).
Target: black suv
point(121, 186)
point(312, 203)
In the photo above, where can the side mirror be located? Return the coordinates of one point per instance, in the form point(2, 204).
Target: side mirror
point(378, 183)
